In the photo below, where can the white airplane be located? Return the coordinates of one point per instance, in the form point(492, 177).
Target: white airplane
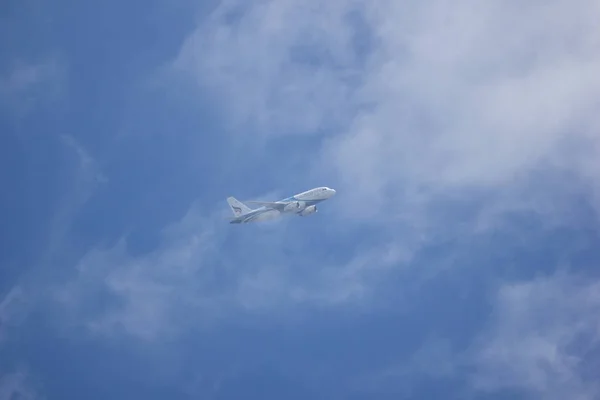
point(301, 204)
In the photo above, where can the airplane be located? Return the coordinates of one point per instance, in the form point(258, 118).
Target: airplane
point(301, 204)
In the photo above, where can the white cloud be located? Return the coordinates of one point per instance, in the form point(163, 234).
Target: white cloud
point(474, 94)
point(259, 61)
point(18, 385)
point(192, 279)
point(24, 76)
point(26, 85)
point(544, 338)
point(150, 289)
point(86, 178)
point(11, 310)
point(443, 99)
point(33, 281)
point(447, 96)
point(434, 361)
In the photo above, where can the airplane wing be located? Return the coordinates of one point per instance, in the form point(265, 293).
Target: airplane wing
point(277, 205)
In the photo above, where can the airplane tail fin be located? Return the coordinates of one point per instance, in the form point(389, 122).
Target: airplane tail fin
point(237, 206)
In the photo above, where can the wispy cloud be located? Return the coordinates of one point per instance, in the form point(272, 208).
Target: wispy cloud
point(192, 280)
point(432, 103)
point(461, 101)
point(541, 341)
point(23, 77)
point(11, 308)
point(426, 97)
point(86, 178)
point(33, 282)
point(285, 64)
point(544, 339)
point(18, 385)
point(435, 122)
point(26, 85)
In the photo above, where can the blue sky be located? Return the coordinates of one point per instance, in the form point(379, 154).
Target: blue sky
point(458, 259)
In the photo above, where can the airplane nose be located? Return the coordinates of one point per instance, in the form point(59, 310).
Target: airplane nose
point(332, 191)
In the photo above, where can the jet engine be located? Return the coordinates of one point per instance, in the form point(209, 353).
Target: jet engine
point(295, 206)
point(308, 210)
